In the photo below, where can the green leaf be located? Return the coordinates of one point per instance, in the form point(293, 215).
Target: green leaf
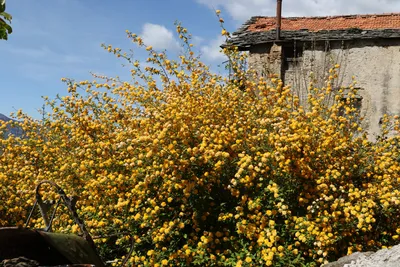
point(6, 16)
point(3, 33)
point(2, 5)
point(8, 28)
point(5, 29)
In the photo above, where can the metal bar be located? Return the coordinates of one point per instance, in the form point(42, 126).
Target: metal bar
point(30, 214)
point(48, 228)
point(129, 254)
point(278, 19)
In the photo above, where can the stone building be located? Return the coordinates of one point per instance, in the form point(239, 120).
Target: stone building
point(366, 46)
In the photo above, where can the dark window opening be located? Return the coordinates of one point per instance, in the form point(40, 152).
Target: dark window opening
point(292, 56)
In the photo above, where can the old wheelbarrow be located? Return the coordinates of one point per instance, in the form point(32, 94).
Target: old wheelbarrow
point(20, 246)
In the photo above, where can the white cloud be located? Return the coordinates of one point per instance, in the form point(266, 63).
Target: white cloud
point(30, 52)
point(241, 10)
point(159, 37)
point(197, 40)
point(212, 51)
point(44, 54)
point(72, 59)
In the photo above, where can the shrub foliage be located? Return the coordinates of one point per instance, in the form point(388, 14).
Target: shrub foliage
point(207, 170)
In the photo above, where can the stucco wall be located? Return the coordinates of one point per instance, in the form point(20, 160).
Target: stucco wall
point(266, 59)
point(374, 63)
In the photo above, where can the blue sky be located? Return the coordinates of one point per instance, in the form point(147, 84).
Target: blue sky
point(61, 38)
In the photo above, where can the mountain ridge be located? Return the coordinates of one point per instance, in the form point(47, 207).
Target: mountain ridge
point(4, 117)
point(11, 130)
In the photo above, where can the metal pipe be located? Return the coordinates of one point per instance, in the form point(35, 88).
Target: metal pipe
point(278, 19)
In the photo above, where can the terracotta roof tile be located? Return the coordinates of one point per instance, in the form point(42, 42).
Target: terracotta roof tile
point(316, 24)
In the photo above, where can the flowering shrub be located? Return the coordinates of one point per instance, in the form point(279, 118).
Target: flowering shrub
point(204, 170)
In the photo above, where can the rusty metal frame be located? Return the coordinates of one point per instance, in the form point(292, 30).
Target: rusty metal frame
point(70, 203)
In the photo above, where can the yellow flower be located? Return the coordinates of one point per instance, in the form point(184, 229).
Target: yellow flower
point(200, 161)
point(150, 252)
point(75, 228)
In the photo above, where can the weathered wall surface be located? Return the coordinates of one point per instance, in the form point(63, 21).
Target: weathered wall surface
point(266, 59)
point(374, 63)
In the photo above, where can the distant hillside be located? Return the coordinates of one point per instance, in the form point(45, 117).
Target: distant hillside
point(11, 130)
point(4, 118)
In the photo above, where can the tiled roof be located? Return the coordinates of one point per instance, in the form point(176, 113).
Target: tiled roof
point(258, 30)
point(315, 24)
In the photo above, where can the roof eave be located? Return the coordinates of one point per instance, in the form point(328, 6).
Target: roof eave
point(245, 40)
